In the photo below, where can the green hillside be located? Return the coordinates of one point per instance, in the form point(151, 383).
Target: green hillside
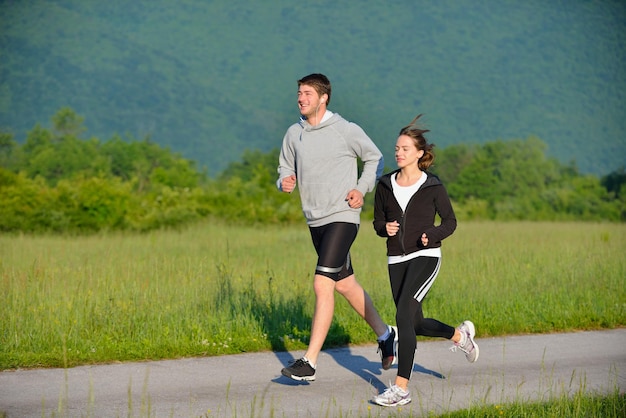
point(210, 79)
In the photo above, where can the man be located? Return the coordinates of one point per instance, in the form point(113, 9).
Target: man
point(319, 155)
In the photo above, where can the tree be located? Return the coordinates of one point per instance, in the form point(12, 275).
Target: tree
point(251, 161)
point(67, 123)
point(8, 151)
point(503, 170)
point(450, 161)
point(614, 181)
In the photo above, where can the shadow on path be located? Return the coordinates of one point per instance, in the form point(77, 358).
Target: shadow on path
point(283, 319)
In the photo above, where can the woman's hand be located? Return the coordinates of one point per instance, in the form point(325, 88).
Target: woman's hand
point(424, 240)
point(392, 228)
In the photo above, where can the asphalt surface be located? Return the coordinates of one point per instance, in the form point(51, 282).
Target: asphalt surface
point(515, 368)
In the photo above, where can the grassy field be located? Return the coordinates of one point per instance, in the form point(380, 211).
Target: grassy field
point(215, 289)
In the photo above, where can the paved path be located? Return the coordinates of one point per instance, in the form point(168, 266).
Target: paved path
point(250, 385)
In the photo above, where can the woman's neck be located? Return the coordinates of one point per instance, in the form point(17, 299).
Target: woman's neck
point(408, 176)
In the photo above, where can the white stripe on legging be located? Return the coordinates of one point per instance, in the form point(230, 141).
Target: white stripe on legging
point(422, 291)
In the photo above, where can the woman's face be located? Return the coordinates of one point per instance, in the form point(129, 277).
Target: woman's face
point(407, 153)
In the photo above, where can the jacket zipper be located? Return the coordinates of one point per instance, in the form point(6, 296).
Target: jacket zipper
point(404, 212)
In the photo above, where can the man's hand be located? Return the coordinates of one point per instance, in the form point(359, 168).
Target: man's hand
point(354, 199)
point(287, 184)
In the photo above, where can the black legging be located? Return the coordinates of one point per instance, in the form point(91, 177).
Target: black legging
point(409, 279)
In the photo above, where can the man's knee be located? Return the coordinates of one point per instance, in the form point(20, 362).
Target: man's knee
point(323, 284)
point(347, 285)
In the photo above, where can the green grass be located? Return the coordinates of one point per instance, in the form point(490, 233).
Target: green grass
point(215, 289)
point(581, 404)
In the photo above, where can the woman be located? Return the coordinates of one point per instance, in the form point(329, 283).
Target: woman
point(406, 203)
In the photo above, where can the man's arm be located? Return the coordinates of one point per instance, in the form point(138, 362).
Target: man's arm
point(373, 162)
point(286, 167)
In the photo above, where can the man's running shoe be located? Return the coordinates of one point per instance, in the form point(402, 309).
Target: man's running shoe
point(300, 369)
point(388, 349)
point(467, 343)
point(393, 396)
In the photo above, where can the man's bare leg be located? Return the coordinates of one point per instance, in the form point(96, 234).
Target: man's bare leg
point(361, 302)
point(322, 317)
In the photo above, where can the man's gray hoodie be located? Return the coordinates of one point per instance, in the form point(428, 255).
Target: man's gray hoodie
point(324, 161)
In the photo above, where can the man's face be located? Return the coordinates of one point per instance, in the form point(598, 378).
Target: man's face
point(308, 101)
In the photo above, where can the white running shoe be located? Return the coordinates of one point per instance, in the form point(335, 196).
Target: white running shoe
point(467, 343)
point(393, 396)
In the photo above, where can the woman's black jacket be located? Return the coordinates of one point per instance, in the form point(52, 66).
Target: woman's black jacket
point(419, 217)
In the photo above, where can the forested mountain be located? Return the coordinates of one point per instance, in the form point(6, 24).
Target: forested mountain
point(210, 79)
